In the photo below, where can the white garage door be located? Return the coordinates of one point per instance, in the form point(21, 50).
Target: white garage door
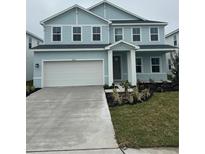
point(72, 73)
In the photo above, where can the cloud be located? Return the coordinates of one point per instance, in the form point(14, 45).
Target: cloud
point(163, 10)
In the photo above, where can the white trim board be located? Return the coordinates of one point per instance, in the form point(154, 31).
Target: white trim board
point(120, 8)
point(61, 33)
point(138, 24)
point(74, 6)
point(160, 65)
point(121, 41)
point(70, 49)
point(157, 34)
point(118, 34)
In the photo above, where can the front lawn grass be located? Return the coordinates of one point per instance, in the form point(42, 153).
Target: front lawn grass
point(150, 124)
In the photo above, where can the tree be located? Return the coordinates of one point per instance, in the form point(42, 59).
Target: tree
point(175, 67)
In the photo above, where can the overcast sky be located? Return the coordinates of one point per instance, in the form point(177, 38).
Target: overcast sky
point(162, 10)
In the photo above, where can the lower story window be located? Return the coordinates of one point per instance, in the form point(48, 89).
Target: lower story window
point(139, 65)
point(170, 64)
point(155, 61)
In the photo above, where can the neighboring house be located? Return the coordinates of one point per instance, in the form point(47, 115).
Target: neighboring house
point(100, 45)
point(31, 41)
point(172, 38)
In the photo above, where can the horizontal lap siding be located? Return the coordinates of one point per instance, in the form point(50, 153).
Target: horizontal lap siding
point(39, 56)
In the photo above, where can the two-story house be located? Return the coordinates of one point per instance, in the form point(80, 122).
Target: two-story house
point(100, 45)
point(32, 40)
point(172, 38)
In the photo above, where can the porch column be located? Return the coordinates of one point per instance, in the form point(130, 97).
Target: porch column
point(110, 67)
point(132, 70)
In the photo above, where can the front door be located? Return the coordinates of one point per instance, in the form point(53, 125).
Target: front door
point(117, 67)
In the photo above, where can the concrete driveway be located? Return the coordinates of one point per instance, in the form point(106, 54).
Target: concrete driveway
point(68, 118)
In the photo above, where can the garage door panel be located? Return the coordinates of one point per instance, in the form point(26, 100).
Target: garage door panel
point(69, 73)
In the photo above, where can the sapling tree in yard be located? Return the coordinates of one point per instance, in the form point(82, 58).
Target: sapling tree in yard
point(175, 68)
point(126, 85)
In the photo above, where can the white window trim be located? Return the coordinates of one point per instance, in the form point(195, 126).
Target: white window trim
point(160, 64)
point(80, 33)
point(114, 33)
point(175, 39)
point(92, 34)
point(142, 65)
point(60, 33)
point(150, 34)
point(136, 34)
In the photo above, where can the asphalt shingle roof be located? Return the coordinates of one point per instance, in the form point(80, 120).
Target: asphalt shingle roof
point(69, 46)
point(134, 21)
point(81, 46)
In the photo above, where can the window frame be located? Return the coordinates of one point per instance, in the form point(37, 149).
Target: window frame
point(30, 42)
point(61, 34)
point(160, 64)
point(175, 39)
point(142, 68)
point(169, 64)
point(81, 33)
point(150, 38)
point(118, 34)
point(132, 34)
point(96, 33)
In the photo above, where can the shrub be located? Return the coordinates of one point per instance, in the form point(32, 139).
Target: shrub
point(32, 88)
point(116, 97)
point(136, 95)
point(126, 85)
point(28, 89)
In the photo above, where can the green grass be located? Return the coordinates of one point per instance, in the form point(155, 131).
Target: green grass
point(150, 124)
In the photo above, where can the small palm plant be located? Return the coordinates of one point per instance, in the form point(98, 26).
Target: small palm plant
point(137, 96)
point(126, 85)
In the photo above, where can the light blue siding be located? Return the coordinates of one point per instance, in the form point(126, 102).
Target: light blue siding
point(145, 35)
point(40, 56)
point(146, 62)
point(86, 35)
point(68, 19)
point(112, 12)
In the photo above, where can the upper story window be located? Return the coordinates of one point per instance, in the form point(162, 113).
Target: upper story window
point(30, 42)
point(139, 65)
point(175, 40)
point(38, 42)
point(56, 33)
point(154, 34)
point(96, 32)
point(118, 34)
point(136, 34)
point(155, 64)
point(77, 34)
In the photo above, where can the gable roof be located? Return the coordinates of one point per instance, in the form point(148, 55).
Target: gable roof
point(74, 6)
point(173, 32)
point(35, 36)
point(109, 3)
point(121, 41)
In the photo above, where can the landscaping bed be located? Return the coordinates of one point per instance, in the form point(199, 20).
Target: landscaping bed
point(153, 123)
point(30, 88)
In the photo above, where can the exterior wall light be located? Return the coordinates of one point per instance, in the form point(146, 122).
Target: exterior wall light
point(36, 65)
